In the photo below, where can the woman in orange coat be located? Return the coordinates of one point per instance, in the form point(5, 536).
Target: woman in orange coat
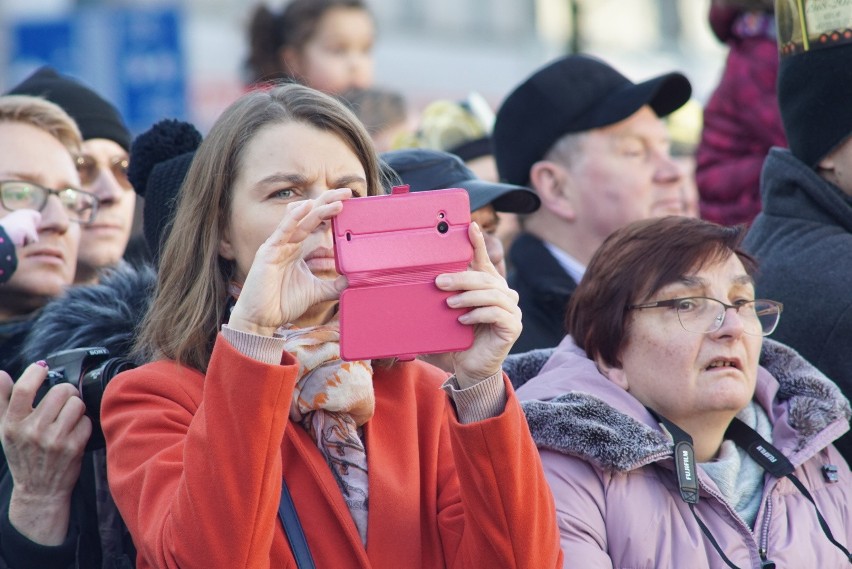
point(388, 464)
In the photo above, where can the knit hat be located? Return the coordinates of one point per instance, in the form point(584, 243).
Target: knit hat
point(815, 75)
point(94, 115)
point(159, 161)
point(424, 169)
point(575, 93)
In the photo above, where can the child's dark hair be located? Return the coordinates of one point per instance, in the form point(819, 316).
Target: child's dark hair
point(269, 32)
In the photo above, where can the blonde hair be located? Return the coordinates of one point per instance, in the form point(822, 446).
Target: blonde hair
point(43, 115)
point(446, 125)
point(189, 304)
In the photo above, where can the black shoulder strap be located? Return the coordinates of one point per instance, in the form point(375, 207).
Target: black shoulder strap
point(684, 459)
point(759, 449)
point(771, 459)
point(293, 529)
point(687, 477)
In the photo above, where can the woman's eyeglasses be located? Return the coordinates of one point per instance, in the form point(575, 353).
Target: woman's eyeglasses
point(15, 194)
point(704, 315)
point(89, 169)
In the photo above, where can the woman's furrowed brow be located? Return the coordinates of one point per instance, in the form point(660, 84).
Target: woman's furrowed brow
point(346, 181)
point(282, 178)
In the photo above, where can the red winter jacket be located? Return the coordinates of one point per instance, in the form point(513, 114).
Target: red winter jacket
point(195, 466)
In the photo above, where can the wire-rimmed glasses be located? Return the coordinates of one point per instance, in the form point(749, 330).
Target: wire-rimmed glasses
point(704, 315)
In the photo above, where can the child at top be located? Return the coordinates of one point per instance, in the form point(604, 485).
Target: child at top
point(324, 44)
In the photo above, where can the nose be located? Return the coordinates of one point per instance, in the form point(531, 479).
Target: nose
point(732, 323)
point(54, 217)
point(361, 66)
point(668, 171)
point(106, 188)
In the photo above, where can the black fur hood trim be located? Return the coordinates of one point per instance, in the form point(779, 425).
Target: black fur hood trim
point(103, 315)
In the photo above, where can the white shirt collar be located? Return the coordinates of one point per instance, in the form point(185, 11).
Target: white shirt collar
point(572, 266)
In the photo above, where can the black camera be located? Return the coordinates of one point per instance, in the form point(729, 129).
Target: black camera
point(443, 227)
point(89, 370)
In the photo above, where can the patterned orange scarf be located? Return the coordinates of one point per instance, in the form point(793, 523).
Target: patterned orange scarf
point(332, 400)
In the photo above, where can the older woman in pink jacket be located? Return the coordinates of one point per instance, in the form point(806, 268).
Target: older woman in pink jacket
point(671, 432)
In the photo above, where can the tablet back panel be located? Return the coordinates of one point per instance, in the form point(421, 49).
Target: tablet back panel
point(391, 248)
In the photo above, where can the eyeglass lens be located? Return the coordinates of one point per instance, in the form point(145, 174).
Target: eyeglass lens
point(89, 169)
point(703, 315)
point(24, 195)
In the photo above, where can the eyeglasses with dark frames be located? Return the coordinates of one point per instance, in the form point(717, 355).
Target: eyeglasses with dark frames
point(17, 194)
point(704, 315)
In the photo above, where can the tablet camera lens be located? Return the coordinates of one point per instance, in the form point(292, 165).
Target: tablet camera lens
point(443, 227)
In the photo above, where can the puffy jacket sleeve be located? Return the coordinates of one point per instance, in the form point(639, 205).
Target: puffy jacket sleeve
point(580, 510)
point(172, 436)
point(496, 509)
point(741, 123)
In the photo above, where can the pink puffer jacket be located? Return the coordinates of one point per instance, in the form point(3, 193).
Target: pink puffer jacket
point(611, 471)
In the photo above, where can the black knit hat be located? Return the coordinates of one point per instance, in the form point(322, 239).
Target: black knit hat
point(572, 94)
point(94, 115)
point(159, 161)
point(815, 77)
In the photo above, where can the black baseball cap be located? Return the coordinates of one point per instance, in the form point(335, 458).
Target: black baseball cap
point(575, 93)
point(425, 169)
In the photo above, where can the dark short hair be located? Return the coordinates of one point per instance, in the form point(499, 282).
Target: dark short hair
point(632, 265)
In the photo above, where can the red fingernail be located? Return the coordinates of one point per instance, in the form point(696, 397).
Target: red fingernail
point(42, 363)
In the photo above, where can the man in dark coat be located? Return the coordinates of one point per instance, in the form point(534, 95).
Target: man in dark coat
point(591, 144)
point(803, 238)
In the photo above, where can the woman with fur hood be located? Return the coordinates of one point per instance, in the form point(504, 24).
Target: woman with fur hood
point(671, 432)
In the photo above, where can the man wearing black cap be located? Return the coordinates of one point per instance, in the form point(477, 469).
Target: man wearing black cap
point(423, 169)
point(591, 144)
point(102, 165)
point(803, 237)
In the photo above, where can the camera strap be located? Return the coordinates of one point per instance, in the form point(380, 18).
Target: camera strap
point(759, 449)
point(293, 529)
point(687, 477)
point(779, 466)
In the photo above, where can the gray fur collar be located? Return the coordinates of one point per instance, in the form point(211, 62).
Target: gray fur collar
point(585, 426)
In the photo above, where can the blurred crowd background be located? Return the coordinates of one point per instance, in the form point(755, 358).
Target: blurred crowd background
point(158, 59)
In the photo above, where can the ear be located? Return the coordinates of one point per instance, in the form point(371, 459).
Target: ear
point(552, 182)
point(226, 248)
point(614, 374)
point(291, 61)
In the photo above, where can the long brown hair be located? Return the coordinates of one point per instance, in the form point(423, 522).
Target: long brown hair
point(190, 301)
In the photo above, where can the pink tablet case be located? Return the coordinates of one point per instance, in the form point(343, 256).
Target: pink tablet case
point(390, 249)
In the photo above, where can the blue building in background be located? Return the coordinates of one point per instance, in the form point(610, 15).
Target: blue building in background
point(133, 56)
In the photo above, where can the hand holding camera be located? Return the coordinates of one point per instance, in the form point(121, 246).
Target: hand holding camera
point(44, 448)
